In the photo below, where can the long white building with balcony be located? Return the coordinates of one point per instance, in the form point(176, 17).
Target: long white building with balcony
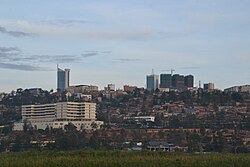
point(57, 115)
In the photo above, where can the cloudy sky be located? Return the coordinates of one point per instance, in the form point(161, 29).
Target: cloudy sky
point(120, 41)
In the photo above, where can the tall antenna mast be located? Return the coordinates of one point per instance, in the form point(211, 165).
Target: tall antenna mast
point(152, 71)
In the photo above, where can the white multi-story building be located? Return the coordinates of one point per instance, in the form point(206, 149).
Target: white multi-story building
point(141, 118)
point(74, 111)
point(38, 113)
point(57, 115)
point(244, 88)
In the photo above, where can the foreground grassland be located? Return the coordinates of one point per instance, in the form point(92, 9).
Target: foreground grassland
point(120, 159)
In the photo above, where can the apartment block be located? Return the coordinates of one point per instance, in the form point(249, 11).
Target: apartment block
point(57, 115)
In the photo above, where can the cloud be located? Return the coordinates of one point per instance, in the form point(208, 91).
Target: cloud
point(85, 55)
point(54, 30)
point(67, 22)
point(53, 58)
point(93, 53)
point(14, 54)
point(9, 49)
point(7, 53)
point(14, 33)
point(22, 67)
point(123, 60)
point(67, 58)
point(63, 28)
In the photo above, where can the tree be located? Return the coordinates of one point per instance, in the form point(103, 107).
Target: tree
point(237, 142)
point(193, 142)
point(68, 139)
point(94, 125)
point(159, 119)
point(161, 134)
point(27, 126)
point(70, 127)
point(94, 142)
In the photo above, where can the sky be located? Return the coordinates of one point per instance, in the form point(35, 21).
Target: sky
point(121, 41)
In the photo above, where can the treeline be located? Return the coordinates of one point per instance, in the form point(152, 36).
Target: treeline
point(48, 139)
point(25, 97)
point(71, 139)
point(200, 97)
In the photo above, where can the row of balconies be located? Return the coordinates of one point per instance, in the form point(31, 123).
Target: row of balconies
point(37, 107)
point(38, 113)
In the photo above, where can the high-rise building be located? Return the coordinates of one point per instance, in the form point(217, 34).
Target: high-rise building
point(62, 79)
point(209, 86)
point(178, 81)
point(165, 81)
point(189, 81)
point(152, 81)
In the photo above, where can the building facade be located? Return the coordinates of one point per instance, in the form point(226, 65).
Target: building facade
point(62, 79)
point(111, 87)
point(39, 113)
point(128, 88)
point(189, 81)
point(165, 81)
point(57, 115)
point(82, 89)
point(178, 81)
point(241, 89)
point(152, 82)
point(208, 86)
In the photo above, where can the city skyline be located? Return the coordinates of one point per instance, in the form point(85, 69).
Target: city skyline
point(120, 42)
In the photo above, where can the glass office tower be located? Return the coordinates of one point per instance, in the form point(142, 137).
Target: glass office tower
point(62, 79)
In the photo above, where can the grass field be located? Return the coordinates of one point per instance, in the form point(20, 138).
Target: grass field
point(120, 159)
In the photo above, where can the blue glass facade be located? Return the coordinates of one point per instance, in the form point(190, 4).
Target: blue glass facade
point(62, 79)
point(152, 81)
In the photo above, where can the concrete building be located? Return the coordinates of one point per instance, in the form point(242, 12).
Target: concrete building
point(178, 81)
point(62, 79)
point(152, 81)
point(111, 87)
point(71, 111)
point(208, 87)
point(165, 81)
point(128, 88)
point(232, 89)
point(39, 113)
point(164, 146)
point(240, 89)
point(141, 118)
point(57, 115)
point(189, 81)
point(82, 89)
point(35, 91)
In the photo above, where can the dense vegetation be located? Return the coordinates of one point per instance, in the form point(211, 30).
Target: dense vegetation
point(109, 159)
